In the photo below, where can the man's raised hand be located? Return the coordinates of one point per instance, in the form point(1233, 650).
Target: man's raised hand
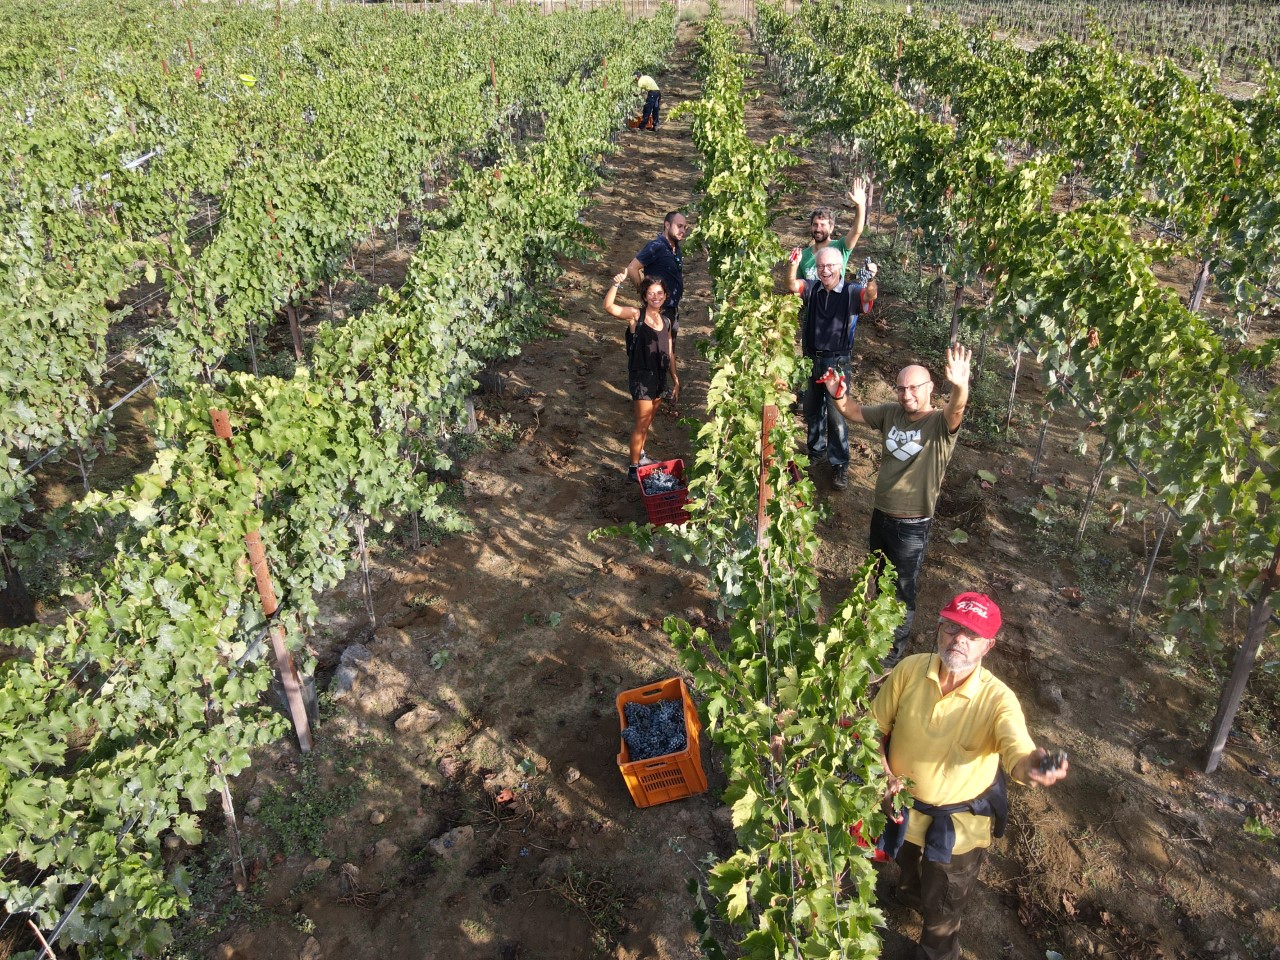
point(794, 255)
point(958, 361)
point(858, 193)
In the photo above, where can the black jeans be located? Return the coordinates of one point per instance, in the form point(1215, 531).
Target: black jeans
point(902, 542)
point(939, 891)
point(828, 433)
point(651, 104)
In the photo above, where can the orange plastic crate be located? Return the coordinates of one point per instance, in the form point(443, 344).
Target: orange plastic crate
point(669, 777)
point(668, 507)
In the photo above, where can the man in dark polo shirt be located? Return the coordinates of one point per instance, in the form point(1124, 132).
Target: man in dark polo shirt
point(661, 258)
point(828, 319)
point(918, 443)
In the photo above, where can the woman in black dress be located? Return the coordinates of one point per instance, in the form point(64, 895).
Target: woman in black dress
point(650, 362)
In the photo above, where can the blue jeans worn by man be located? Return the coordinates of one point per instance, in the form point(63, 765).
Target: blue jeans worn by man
point(902, 541)
point(828, 432)
point(652, 101)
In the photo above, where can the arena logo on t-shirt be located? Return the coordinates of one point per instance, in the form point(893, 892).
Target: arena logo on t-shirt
point(903, 444)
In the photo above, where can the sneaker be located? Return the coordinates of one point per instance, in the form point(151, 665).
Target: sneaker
point(633, 474)
point(840, 477)
point(645, 460)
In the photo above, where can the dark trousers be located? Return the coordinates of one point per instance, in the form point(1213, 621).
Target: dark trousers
point(828, 432)
point(902, 542)
point(652, 101)
point(939, 891)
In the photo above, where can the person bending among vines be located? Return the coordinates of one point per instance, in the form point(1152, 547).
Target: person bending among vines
point(652, 100)
point(918, 443)
point(952, 729)
point(651, 361)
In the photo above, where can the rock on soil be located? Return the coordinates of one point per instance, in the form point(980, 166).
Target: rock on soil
point(350, 666)
point(556, 867)
point(418, 720)
point(454, 844)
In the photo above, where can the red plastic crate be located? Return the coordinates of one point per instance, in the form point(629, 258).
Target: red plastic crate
point(675, 775)
point(669, 507)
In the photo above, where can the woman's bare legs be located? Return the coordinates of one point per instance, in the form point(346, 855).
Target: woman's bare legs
point(644, 411)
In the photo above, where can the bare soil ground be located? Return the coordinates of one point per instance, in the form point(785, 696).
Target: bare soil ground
point(483, 721)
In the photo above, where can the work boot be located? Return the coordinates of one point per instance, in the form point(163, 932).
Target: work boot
point(840, 476)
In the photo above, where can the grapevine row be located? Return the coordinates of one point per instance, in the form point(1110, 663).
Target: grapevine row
point(247, 113)
point(1168, 149)
point(143, 703)
point(1079, 290)
point(1236, 32)
point(780, 690)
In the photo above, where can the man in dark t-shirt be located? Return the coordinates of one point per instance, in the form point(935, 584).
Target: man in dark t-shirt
point(828, 319)
point(918, 443)
point(661, 258)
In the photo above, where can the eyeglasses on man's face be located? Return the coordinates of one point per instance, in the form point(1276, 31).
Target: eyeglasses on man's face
point(913, 387)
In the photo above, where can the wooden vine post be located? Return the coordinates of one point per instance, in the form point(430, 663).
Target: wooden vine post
point(768, 420)
point(1013, 390)
point(291, 312)
point(1202, 284)
point(1259, 617)
point(285, 664)
point(1136, 607)
point(239, 875)
point(956, 303)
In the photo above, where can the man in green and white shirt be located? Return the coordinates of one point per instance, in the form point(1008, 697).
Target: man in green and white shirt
point(918, 443)
point(822, 227)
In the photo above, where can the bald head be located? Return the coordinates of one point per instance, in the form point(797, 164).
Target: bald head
point(915, 390)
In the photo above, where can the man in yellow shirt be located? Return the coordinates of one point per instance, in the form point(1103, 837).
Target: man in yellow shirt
point(652, 100)
point(949, 725)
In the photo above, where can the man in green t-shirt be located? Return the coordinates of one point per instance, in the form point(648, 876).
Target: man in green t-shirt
point(822, 227)
point(918, 443)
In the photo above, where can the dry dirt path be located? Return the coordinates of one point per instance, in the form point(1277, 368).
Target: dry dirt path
point(534, 629)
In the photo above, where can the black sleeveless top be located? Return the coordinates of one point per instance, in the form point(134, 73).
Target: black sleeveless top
point(649, 350)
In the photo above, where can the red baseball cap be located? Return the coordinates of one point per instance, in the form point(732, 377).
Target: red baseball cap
point(976, 612)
